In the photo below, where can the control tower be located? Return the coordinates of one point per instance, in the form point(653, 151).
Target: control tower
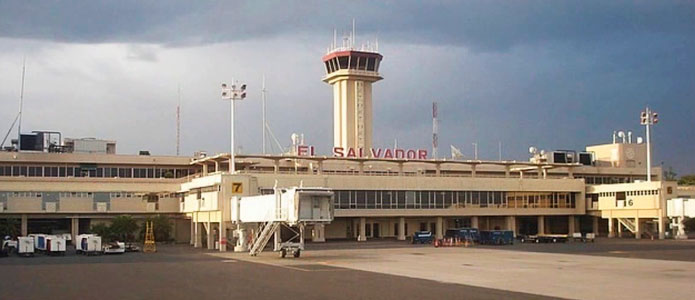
point(352, 70)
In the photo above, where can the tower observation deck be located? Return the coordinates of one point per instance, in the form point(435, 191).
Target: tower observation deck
point(352, 71)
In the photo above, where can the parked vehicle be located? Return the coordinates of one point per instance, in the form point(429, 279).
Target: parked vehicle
point(114, 248)
point(88, 244)
point(588, 237)
point(25, 246)
point(543, 238)
point(39, 241)
point(497, 237)
point(423, 237)
point(131, 247)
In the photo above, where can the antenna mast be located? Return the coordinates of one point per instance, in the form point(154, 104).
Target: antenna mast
point(178, 124)
point(21, 104)
point(435, 131)
point(265, 124)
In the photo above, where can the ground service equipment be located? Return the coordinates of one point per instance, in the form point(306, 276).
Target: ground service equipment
point(150, 246)
point(25, 246)
point(497, 237)
point(88, 244)
point(55, 245)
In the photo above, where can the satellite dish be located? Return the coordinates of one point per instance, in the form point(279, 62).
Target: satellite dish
point(542, 152)
point(532, 150)
point(640, 140)
point(621, 134)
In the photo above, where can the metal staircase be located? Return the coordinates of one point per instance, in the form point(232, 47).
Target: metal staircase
point(628, 223)
point(262, 240)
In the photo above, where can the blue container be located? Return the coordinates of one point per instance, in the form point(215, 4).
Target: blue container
point(41, 242)
point(466, 234)
point(497, 237)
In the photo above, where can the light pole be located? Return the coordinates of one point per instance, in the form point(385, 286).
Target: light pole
point(649, 118)
point(475, 151)
point(235, 92)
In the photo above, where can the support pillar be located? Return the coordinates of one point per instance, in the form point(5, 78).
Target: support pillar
point(541, 224)
point(363, 230)
point(570, 173)
point(205, 169)
point(223, 236)
point(211, 237)
point(511, 224)
point(192, 239)
point(276, 166)
point(198, 240)
point(74, 229)
point(25, 225)
point(507, 171)
point(662, 228)
point(594, 225)
point(540, 172)
point(439, 228)
point(401, 229)
point(320, 167)
point(572, 226)
point(400, 169)
point(611, 228)
point(638, 230)
point(217, 166)
point(473, 170)
point(474, 222)
point(318, 235)
point(438, 169)
point(620, 229)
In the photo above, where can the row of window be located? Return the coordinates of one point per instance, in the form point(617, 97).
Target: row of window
point(76, 194)
point(83, 195)
point(352, 62)
point(360, 199)
point(608, 179)
point(629, 193)
point(106, 172)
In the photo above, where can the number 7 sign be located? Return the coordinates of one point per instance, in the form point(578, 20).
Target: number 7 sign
point(237, 188)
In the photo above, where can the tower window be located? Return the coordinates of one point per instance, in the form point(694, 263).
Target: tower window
point(343, 62)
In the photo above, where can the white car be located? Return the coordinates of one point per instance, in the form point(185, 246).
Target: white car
point(114, 248)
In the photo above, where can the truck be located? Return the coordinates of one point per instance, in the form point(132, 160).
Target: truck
point(497, 237)
point(88, 244)
point(422, 237)
point(114, 248)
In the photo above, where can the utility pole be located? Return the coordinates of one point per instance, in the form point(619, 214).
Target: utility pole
point(649, 118)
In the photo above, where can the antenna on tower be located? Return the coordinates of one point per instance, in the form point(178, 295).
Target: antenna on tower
point(354, 37)
point(435, 131)
point(335, 39)
point(265, 124)
point(178, 123)
point(21, 105)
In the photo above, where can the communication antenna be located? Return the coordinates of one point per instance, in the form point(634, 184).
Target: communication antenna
point(354, 37)
point(500, 150)
point(21, 105)
point(265, 124)
point(178, 123)
point(435, 131)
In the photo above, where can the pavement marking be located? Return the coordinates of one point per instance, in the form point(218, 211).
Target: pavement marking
point(229, 261)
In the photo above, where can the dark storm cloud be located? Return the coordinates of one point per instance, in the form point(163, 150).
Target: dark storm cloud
point(483, 25)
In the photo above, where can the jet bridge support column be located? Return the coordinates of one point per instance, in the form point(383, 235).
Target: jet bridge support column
point(25, 225)
point(439, 231)
point(242, 244)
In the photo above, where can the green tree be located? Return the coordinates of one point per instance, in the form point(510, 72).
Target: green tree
point(102, 230)
point(162, 228)
point(124, 227)
point(9, 226)
point(687, 180)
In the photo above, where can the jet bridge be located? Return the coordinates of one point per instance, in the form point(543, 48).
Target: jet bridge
point(293, 208)
point(677, 210)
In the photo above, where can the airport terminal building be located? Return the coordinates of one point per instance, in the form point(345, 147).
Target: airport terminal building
point(378, 193)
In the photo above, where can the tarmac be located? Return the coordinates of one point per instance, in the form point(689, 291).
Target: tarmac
point(380, 269)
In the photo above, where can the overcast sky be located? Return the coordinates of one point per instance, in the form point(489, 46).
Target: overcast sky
point(549, 74)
